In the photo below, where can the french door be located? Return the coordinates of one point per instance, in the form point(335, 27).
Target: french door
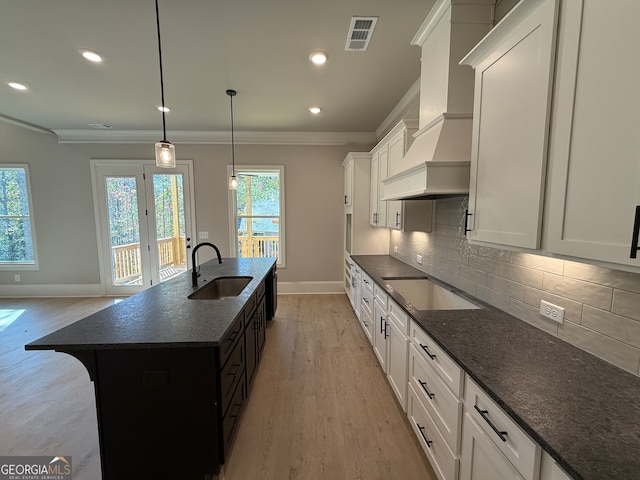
point(144, 223)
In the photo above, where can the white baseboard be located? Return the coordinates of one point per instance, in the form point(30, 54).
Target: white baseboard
point(22, 291)
point(310, 287)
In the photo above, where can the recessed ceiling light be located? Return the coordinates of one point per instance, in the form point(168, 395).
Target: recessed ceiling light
point(319, 57)
point(164, 109)
point(17, 86)
point(91, 56)
point(315, 110)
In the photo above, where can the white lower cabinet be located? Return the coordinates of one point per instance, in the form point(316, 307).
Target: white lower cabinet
point(481, 459)
point(397, 350)
point(493, 442)
point(444, 462)
point(550, 470)
point(380, 333)
point(464, 437)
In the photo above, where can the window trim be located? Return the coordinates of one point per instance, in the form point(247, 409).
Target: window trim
point(233, 233)
point(21, 266)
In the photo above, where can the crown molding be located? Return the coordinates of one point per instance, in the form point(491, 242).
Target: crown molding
point(201, 137)
point(400, 111)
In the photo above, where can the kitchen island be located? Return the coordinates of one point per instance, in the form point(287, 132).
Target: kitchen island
point(171, 374)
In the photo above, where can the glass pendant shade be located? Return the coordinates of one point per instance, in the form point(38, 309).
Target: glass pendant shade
point(233, 182)
point(165, 155)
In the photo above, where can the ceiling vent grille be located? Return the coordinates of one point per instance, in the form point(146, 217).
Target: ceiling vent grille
point(101, 126)
point(360, 32)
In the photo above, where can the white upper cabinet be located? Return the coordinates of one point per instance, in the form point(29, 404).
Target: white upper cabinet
point(378, 208)
point(513, 79)
point(594, 156)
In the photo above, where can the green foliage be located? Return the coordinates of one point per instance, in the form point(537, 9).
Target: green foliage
point(15, 225)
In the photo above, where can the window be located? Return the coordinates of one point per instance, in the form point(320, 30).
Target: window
point(17, 237)
point(257, 212)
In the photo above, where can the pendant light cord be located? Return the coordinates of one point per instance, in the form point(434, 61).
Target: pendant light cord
point(232, 94)
point(164, 128)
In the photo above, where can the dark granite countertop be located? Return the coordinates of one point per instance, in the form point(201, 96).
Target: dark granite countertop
point(582, 410)
point(163, 316)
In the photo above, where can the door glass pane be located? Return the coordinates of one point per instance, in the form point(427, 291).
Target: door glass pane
point(124, 230)
point(168, 193)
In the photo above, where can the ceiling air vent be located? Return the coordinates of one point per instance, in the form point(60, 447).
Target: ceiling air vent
point(101, 126)
point(360, 32)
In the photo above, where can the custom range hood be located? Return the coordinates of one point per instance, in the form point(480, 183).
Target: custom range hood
point(438, 161)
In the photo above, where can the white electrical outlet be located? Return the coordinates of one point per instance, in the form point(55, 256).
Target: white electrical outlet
point(16, 277)
point(395, 249)
point(419, 259)
point(202, 235)
point(551, 311)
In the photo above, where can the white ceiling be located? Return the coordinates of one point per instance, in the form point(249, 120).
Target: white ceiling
point(258, 47)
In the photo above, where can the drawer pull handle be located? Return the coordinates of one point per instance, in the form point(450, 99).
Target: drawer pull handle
point(365, 301)
point(426, 349)
point(365, 323)
point(424, 387)
point(420, 429)
point(636, 231)
point(483, 414)
point(235, 372)
point(466, 221)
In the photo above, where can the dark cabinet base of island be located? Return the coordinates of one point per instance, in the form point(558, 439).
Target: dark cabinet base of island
point(169, 411)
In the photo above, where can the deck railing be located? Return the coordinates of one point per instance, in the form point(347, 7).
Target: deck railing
point(249, 247)
point(127, 265)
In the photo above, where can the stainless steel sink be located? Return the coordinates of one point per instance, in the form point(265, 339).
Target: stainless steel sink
point(424, 294)
point(221, 287)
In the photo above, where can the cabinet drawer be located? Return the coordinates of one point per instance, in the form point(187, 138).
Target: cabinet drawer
point(231, 374)
point(380, 295)
point(366, 321)
point(230, 420)
point(367, 301)
point(443, 406)
point(367, 283)
point(249, 308)
point(260, 291)
point(398, 317)
point(511, 440)
point(443, 461)
point(231, 338)
point(448, 370)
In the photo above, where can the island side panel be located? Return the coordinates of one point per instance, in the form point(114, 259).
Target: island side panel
point(157, 413)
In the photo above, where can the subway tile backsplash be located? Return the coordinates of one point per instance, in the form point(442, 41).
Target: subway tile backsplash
point(602, 306)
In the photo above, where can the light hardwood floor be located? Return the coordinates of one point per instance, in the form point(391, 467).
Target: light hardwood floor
point(320, 407)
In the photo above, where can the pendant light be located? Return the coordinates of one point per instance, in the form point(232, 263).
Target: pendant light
point(165, 151)
point(233, 181)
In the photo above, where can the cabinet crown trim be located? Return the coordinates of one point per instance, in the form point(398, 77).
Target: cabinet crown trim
point(505, 28)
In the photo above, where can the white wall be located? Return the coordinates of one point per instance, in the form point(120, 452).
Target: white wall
point(63, 202)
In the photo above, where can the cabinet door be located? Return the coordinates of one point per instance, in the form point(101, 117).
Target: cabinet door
point(394, 207)
point(398, 346)
point(348, 184)
point(383, 166)
point(250, 349)
point(480, 459)
point(374, 214)
point(380, 327)
point(514, 68)
point(594, 152)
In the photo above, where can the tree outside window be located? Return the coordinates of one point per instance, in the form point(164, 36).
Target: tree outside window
point(17, 244)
